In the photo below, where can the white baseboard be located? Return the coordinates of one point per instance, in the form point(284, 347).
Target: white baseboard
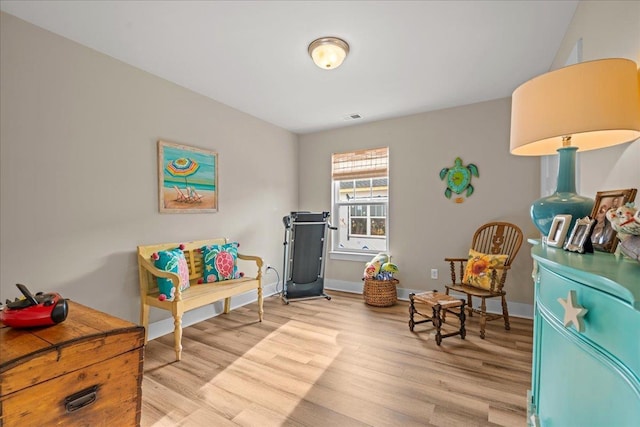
point(191, 317)
point(516, 309)
point(165, 326)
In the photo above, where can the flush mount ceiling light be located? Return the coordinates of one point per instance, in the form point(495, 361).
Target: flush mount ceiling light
point(328, 52)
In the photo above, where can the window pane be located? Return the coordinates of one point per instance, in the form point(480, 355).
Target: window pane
point(359, 226)
point(363, 188)
point(378, 227)
point(347, 236)
point(359, 210)
point(347, 191)
point(378, 210)
point(380, 182)
point(380, 192)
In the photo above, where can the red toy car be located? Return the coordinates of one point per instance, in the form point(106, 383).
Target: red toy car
point(34, 310)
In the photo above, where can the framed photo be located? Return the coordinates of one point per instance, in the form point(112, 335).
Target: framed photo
point(187, 179)
point(559, 230)
point(579, 239)
point(604, 237)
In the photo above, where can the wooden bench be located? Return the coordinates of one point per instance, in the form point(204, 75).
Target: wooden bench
point(198, 294)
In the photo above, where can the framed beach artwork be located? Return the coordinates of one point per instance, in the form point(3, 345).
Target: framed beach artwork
point(187, 179)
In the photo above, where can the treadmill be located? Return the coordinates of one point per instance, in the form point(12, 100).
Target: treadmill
point(305, 237)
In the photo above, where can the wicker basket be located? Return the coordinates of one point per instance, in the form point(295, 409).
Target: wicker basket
point(380, 293)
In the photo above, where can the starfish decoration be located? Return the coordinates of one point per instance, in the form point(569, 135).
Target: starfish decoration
point(573, 313)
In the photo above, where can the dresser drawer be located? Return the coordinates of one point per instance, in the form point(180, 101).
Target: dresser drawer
point(103, 394)
point(610, 323)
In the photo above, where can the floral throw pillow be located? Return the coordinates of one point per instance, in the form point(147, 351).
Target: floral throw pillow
point(220, 262)
point(480, 267)
point(174, 261)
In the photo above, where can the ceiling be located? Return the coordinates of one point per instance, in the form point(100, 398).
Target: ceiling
point(406, 57)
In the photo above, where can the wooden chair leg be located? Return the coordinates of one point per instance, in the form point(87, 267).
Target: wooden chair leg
point(227, 305)
point(470, 305)
point(483, 318)
point(505, 313)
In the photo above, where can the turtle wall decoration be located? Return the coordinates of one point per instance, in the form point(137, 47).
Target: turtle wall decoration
point(458, 179)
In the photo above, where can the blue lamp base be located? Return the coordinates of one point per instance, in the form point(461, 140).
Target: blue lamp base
point(545, 209)
point(565, 200)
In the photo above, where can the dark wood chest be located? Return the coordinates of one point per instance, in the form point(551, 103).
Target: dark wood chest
point(85, 371)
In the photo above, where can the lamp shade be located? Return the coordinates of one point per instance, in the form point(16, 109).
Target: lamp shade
point(328, 52)
point(589, 105)
point(597, 103)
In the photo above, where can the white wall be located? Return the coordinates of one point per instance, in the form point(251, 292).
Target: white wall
point(79, 170)
point(425, 226)
point(425, 229)
point(78, 178)
point(608, 29)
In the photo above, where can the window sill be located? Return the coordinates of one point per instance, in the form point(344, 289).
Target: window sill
point(350, 256)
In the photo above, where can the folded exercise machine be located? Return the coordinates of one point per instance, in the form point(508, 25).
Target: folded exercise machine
point(305, 235)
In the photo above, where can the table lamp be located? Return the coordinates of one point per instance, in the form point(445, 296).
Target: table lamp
point(585, 106)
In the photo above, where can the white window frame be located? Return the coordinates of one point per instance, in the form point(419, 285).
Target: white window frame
point(358, 172)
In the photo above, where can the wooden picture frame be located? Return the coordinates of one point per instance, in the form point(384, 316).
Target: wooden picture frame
point(187, 179)
point(604, 237)
point(559, 230)
point(579, 241)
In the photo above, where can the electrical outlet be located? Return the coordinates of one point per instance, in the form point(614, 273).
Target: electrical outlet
point(267, 267)
point(434, 273)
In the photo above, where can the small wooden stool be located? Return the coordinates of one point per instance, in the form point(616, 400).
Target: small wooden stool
point(439, 304)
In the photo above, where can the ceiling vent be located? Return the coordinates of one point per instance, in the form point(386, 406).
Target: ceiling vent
point(354, 116)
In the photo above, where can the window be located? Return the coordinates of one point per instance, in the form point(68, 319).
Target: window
point(360, 183)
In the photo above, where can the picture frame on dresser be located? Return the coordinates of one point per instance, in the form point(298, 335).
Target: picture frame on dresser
point(604, 237)
point(580, 238)
point(559, 230)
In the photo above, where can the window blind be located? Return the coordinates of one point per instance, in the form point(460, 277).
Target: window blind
point(371, 163)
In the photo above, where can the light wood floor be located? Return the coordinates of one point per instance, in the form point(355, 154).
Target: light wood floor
point(336, 363)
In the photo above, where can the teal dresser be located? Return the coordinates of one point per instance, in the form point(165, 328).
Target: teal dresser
point(586, 344)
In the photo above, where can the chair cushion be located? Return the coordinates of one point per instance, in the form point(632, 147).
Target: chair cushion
point(220, 262)
point(174, 261)
point(480, 267)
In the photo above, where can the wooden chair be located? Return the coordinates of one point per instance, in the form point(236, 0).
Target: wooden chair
point(493, 238)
